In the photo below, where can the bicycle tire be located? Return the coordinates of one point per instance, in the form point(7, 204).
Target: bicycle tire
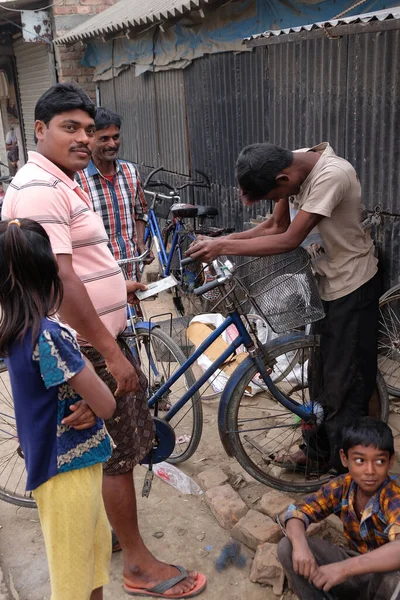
point(168, 349)
point(12, 469)
point(389, 339)
point(275, 478)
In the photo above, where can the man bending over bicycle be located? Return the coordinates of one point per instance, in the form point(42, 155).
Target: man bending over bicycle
point(326, 191)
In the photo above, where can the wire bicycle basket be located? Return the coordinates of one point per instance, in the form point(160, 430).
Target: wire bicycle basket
point(281, 288)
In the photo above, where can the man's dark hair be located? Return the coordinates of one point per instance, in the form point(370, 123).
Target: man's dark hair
point(61, 98)
point(257, 168)
point(367, 431)
point(105, 118)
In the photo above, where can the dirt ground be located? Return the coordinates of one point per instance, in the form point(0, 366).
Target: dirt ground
point(191, 535)
point(186, 531)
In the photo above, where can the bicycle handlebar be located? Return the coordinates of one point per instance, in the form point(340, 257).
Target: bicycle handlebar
point(151, 174)
point(192, 183)
point(209, 286)
point(134, 259)
point(187, 261)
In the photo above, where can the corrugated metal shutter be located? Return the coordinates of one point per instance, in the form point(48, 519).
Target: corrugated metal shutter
point(36, 73)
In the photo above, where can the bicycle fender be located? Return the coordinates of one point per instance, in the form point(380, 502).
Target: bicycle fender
point(146, 325)
point(233, 382)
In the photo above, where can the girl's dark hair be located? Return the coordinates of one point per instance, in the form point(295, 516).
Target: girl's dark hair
point(257, 168)
point(105, 118)
point(30, 287)
point(367, 431)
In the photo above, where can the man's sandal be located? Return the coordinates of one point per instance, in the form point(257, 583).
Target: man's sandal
point(158, 591)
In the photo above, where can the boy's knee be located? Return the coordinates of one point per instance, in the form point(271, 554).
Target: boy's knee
point(285, 552)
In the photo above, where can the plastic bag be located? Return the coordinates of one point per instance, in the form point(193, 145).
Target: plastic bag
point(176, 478)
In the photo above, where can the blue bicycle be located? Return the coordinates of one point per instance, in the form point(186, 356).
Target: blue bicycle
point(261, 433)
point(159, 356)
point(184, 221)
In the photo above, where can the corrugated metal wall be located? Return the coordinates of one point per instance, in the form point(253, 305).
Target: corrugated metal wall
point(296, 94)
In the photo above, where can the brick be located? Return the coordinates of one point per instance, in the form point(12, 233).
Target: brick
point(226, 505)
point(254, 529)
point(274, 503)
point(70, 72)
point(238, 471)
point(63, 10)
point(267, 569)
point(211, 478)
point(84, 10)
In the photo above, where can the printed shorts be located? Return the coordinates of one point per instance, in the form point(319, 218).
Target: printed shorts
point(131, 427)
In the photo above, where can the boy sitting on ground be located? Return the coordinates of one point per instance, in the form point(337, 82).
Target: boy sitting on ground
point(367, 500)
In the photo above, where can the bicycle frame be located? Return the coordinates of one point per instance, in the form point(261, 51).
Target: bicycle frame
point(164, 257)
point(244, 338)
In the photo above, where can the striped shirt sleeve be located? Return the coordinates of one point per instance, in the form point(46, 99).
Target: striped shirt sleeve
point(140, 200)
point(50, 208)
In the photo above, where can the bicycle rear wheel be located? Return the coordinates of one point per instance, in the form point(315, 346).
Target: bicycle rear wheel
point(13, 474)
point(160, 357)
point(389, 340)
point(260, 429)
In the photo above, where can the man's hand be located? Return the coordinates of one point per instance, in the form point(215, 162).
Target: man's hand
point(205, 249)
point(82, 416)
point(328, 576)
point(141, 248)
point(124, 374)
point(304, 562)
point(131, 288)
point(315, 250)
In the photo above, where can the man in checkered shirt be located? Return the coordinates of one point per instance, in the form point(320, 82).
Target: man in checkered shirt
point(115, 190)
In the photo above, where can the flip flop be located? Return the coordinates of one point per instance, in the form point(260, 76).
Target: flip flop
point(158, 591)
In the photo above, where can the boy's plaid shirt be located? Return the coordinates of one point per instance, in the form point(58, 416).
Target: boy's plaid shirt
point(380, 521)
point(119, 205)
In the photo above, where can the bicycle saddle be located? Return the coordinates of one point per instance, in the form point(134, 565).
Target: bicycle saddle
point(207, 211)
point(184, 210)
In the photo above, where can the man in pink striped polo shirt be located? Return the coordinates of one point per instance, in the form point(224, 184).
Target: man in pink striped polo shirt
point(94, 304)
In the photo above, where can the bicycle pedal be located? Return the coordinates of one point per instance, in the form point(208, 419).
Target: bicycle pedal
point(148, 481)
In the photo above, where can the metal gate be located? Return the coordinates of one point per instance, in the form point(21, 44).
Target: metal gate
point(36, 73)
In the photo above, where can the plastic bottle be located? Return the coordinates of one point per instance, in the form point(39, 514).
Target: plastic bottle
point(175, 477)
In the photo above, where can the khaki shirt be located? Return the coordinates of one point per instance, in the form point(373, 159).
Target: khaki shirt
point(333, 190)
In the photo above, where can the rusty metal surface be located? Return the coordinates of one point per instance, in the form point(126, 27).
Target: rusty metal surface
point(345, 91)
point(171, 121)
point(307, 99)
point(126, 14)
point(36, 26)
point(380, 15)
point(373, 117)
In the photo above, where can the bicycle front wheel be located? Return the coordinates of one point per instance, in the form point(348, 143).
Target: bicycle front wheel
point(262, 432)
point(12, 464)
point(389, 340)
point(160, 357)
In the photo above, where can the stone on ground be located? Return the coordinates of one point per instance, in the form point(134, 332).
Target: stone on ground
point(226, 505)
point(211, 478)
point(316, 528)
point(254, 529)
point(267, 569)
point(274, 503)
point(239, 473)
point(334, 522)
